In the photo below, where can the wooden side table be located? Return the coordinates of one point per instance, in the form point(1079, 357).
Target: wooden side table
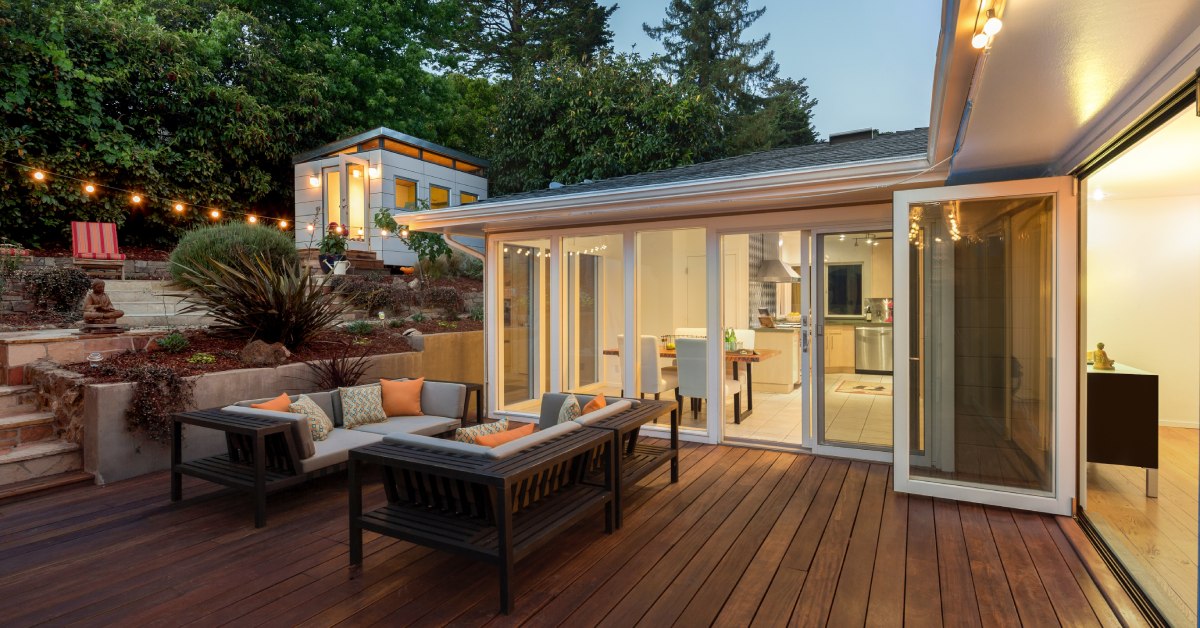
point(261, 456)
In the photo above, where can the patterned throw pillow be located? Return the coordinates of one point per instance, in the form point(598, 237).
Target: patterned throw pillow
point(469, 434)
point(361, 405)
point(319, 423)
point(569, 410)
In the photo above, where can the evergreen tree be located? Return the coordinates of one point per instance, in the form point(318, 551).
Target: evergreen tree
point(705, 43)
point(501, 37)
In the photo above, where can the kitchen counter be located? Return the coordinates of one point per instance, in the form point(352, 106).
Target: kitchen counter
point(776, 330)
point(854, 322)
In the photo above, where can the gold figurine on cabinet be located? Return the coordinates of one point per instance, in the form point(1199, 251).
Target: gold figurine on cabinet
point(1100, 359)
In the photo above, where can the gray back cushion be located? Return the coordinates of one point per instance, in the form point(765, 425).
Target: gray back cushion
point(443, 399)
point(552, 403)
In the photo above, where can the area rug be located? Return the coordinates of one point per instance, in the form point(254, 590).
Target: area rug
point(864, 388)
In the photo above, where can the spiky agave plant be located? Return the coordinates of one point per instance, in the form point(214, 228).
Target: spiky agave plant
point(259, 297)
point(340, 371)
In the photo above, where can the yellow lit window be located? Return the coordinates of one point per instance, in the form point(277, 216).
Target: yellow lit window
point(406, 193)
point(438, 159)
point(439, 197)
point(466, 198)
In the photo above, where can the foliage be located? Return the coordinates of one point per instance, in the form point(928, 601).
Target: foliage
point(469, 267)
point(370, 293)
point(173, 342)
point(507, 36)
point(209, 245)
point(447, 325)
point(334, 240)
point(12, 257)
point(419, 317)
point(158, 393)
point(427, 246)
point(201, 357)
point(446, 297)
point(705, 45)
point(338, 372)
point(62, 288)
point(256, 297)
point(476, 313)
point(359, 328)
point(201, 102)
point(567, 122)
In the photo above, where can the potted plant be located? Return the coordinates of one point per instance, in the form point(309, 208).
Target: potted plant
point(332, 247)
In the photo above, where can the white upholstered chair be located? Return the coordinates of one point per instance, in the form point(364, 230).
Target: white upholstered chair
point(693, 377)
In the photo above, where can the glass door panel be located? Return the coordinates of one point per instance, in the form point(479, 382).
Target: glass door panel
point(524, 324)
point(986, 310)
point(594, 314)
point(853, 367)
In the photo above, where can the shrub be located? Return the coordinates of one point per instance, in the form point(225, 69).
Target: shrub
point(470, 268)
point(158, 393)
point(205, 247)
point(446, 297)
point(60, 287)
point(419, 317)
point(173, 342)
point(254, 297)
point(201, 357)
point(338, 372)
point(369, 293)
point(359, 328)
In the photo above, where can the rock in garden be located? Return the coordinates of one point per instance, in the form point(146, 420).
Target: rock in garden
point(259, 353)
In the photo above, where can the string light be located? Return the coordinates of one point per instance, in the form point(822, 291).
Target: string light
point(89, 188)
point(283, 224)
point(383, 232)
point(360, 232)
point(179, 207)
point(403, 232)
point(38, 175)
point(311, 227)
point(251, 219)
point(215, 214)
point(136, 198)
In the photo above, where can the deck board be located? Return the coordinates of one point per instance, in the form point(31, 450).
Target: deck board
point(745, 537)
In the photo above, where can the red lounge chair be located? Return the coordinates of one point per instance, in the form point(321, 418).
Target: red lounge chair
point(94, 247)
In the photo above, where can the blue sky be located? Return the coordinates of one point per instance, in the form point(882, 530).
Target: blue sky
point(869, 62)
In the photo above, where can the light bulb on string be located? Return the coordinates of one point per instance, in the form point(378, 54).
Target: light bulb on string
point(38, 175)
point(283, 224)
point(136, 198)
point(980, 40)
point(311, 227)
point(404, 233)
point(89, 188)
point(215, 214)
point(383, 232)
point(250, 219)
point(179, 207)
point(993, 24)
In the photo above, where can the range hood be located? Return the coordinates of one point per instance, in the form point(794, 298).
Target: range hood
point(772, 270)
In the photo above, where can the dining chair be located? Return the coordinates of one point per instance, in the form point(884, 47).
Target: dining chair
point(693, 377)
point(655, 379)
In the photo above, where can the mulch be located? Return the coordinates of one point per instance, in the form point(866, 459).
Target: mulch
point(327, 345)
point(37, 319)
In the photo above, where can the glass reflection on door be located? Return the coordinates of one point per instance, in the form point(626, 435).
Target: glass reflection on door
point(982, 387)
point(524, 330)
point(594, 313)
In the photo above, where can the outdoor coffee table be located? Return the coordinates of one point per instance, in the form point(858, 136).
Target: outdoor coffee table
point(260, 457)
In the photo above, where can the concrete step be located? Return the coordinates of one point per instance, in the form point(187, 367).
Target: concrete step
point(25, 419)
point(17, 399)
point(37, 486)
point(159, 320)
point(18, 430)
point(39, 460)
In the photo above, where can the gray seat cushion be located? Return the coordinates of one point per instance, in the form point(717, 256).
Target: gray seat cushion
point(334, 450)
point(424, 424)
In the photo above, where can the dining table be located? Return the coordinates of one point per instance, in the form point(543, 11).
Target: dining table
point(748, 357)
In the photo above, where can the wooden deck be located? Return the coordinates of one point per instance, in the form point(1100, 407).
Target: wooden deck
point(746, 537)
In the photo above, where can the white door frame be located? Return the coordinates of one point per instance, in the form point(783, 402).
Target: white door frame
point(1065, 366)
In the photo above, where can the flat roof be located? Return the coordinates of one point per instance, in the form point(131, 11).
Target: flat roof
point(384, 132)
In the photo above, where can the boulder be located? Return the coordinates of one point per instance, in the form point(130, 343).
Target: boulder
point(259, 353)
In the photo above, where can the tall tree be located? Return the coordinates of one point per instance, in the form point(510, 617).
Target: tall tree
point(501, 37)
point(568, 121)
point(704, 42)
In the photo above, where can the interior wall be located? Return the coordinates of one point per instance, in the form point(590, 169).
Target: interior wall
point(1143, 294)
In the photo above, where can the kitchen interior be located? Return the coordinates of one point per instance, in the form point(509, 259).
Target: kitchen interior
point(763, 287)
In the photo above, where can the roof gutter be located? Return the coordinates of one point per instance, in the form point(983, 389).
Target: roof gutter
point(783, 188)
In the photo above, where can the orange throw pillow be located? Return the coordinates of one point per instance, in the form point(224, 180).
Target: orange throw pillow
point(402, 398)
point(499, 438)
point(596, 403)
point(282, 403)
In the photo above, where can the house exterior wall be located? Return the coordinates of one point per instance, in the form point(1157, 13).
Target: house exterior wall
point(381, 192)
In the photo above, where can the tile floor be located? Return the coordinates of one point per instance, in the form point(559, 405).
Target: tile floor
point(850, 417)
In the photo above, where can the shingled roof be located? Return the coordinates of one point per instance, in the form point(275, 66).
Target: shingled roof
point(883, 146)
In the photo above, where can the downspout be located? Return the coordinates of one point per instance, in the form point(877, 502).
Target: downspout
point(461, 248)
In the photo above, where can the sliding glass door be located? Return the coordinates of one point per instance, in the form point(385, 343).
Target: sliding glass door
point(985, 343)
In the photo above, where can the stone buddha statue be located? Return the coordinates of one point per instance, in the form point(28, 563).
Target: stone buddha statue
point(98, 307)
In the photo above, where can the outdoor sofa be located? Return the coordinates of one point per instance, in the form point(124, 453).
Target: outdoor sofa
point(261, 458)
point(496, 504)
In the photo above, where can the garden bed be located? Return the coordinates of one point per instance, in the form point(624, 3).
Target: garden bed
point(142, 253)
